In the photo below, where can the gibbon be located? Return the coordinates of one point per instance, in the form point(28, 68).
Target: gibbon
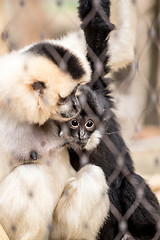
point(39, 188)
point(38, 85)
point(95, 139)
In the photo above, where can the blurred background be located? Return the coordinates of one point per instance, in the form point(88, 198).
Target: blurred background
point(136, 87)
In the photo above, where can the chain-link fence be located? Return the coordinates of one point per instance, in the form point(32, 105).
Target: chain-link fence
point(136, 91)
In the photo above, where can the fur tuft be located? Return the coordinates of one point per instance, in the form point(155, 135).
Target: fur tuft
point(94, 140)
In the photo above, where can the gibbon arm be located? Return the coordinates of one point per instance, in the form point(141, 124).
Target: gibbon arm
point(96, 25)
point(81, 211)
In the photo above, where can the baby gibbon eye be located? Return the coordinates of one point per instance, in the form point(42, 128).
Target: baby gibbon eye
point(74, 124)
point(89, 125)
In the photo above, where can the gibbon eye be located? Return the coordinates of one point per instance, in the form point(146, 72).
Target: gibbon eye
point(39, 86)
point(74, 124)
point(89, 124)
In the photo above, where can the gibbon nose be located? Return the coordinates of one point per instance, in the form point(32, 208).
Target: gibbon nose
point(82, 135)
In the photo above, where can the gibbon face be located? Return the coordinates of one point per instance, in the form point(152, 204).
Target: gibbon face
point(38, 83)
point(82, 132)
point(85, 131)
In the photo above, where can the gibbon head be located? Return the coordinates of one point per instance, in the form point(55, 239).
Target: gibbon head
point(38, 82)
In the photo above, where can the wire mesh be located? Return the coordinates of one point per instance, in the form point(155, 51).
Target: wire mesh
point(136, 90)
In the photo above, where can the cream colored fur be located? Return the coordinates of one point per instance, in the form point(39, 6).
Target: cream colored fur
point(82, 208)
point(123, 39)
point(29, 193)
point(3, 235)
point(76, 44)
point(72, 42)
point(17, 74)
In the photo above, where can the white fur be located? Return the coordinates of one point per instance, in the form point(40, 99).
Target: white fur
point(72, 42)
point(122, 40)
point(19, 139)
point(94, 140)
point(29, 194)
point(126, 237)
point(83, 206)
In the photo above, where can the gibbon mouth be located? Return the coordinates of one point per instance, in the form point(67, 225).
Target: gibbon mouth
point(82, 143)
point(77, 145)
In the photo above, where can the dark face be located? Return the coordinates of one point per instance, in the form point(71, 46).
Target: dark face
point(85, 130)
point(80, 129)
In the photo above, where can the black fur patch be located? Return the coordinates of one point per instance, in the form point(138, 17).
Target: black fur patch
point(94, 15)
point(64, 59)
